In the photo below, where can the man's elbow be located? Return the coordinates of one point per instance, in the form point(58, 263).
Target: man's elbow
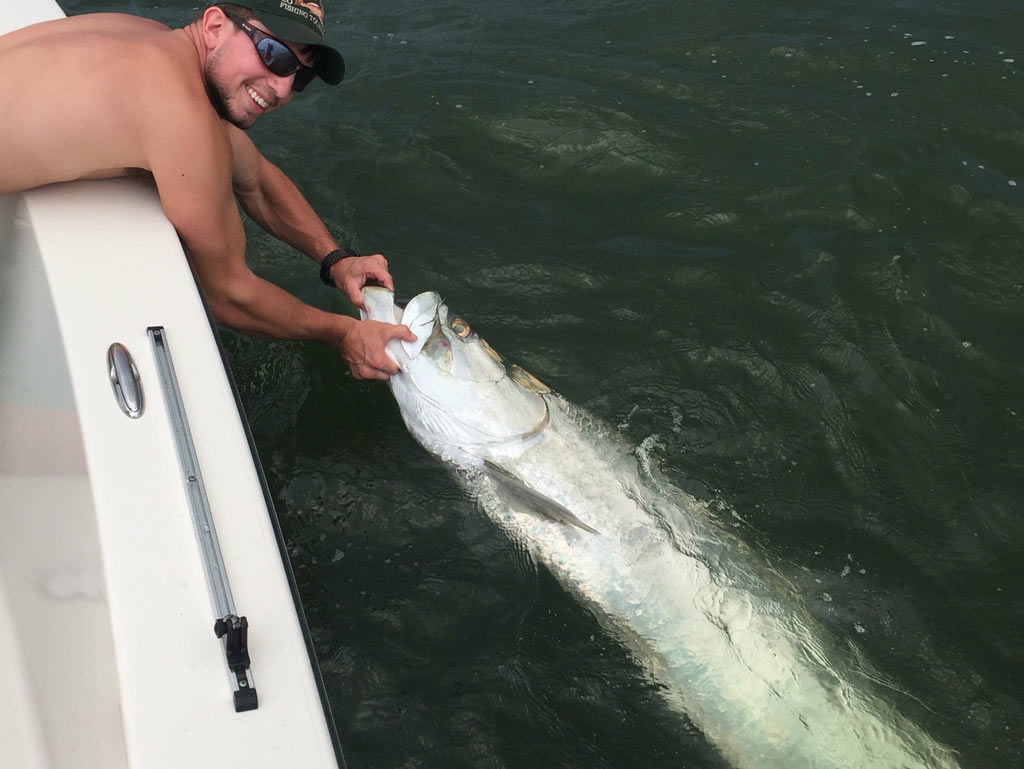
point(224, 311)
point(231, 305)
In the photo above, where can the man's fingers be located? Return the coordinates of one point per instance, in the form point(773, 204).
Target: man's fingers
point(355, 293)
point(368, 372)
point(365, 348)
point(404, 333)
point(385, 280)
point(387, 367)
point(376, 277)
point(366, 270)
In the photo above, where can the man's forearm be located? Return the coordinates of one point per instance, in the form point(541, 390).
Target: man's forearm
point(257, 307)
point(276, 204)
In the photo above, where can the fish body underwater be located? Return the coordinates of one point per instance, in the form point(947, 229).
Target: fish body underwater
point(718, 630)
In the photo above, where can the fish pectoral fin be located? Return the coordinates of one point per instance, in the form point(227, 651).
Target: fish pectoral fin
point(532, 499)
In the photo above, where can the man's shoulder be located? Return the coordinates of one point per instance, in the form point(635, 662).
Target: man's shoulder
point(87, 24)
point(97, 38)
point(149, 76)
point(135, 94)
point(110, 22)
point(73, 29)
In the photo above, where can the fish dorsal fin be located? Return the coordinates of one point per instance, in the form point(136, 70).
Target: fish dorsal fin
point(534, 501)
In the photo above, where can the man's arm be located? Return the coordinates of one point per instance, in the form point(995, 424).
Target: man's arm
point(194, 182)
point(273, 201)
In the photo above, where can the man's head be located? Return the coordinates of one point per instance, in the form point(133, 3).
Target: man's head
point(258, 56)
point(301, 22)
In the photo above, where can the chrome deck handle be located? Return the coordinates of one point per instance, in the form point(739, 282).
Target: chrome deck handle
point(124, 378)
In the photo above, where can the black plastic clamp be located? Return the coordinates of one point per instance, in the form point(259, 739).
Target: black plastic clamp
point(235, 632)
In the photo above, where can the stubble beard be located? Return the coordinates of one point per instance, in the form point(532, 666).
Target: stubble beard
point(221, 99)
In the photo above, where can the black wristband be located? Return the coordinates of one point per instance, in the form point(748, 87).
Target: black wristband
point(332, 259)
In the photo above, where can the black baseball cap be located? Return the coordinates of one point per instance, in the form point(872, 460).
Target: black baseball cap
point(301, 21)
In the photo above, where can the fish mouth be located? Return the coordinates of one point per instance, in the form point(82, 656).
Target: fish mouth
point(453, 382)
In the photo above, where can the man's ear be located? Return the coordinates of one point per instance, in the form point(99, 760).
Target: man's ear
point(214, 25)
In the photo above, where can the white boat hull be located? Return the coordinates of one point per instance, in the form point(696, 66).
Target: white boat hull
point(108, 656)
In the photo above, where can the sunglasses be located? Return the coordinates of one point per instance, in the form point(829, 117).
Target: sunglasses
point(275, 55)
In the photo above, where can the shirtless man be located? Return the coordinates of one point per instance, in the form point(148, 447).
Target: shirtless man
point(106, 95)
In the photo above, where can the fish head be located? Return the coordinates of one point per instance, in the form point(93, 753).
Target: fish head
point(457, 395)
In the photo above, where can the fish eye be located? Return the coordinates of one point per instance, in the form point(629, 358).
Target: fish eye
point(460, 327)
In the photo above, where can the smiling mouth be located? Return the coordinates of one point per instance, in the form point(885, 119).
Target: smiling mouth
point(263, 103)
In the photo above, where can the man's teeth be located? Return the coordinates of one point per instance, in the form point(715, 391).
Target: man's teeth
point(257, 98)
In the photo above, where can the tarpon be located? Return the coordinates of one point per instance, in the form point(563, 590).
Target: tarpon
point(713, 624)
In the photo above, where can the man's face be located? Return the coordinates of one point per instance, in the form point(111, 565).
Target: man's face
point(240, 86)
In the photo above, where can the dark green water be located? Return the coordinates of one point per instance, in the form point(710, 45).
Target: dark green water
point(782, 245)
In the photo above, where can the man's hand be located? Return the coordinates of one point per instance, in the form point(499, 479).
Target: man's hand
point(354, 272)
point(363, 348)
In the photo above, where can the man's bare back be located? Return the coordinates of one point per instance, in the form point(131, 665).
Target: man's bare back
point(87, 90)
point(105, 95)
